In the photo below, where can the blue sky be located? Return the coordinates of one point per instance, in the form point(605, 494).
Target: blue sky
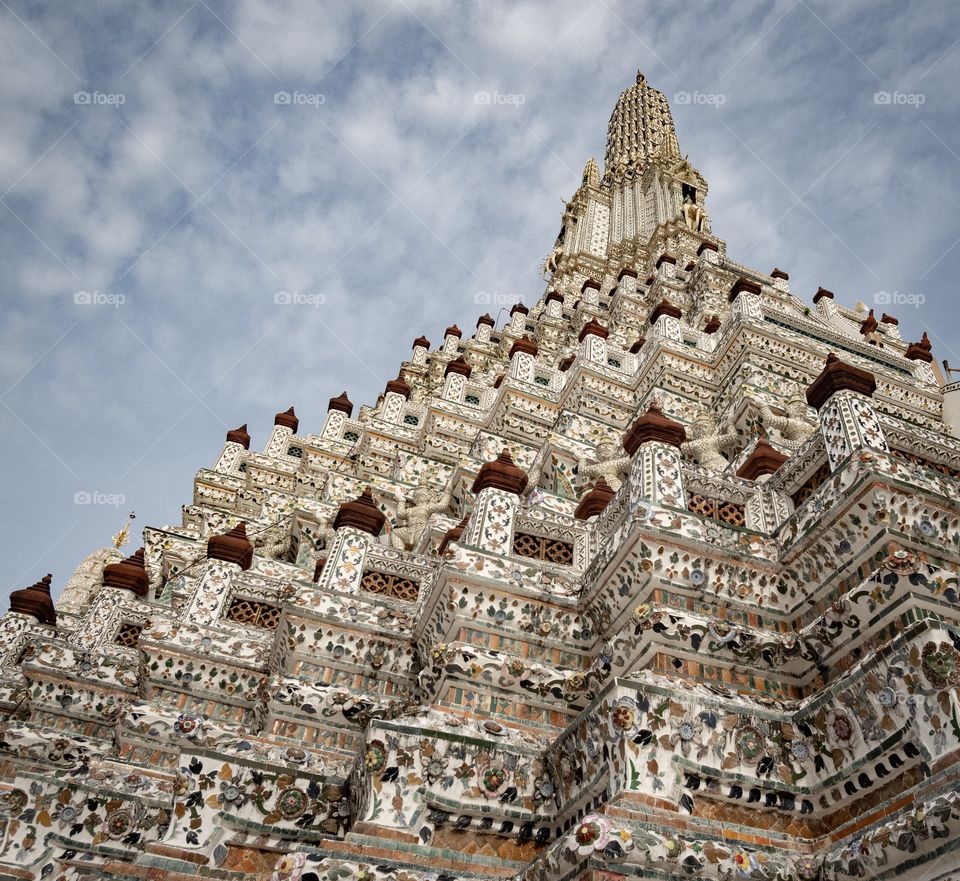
point(156, 199)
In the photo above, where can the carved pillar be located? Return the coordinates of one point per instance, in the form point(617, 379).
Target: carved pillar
point(456, 374)
point(523, 354)
point(451, 340)
point(922, 356)
point(766, 509)
point(357, 523)
point(124, 584)
point(518, 318)
point(421, 348)
point(745, 298)
point(823, 300)
point(594, 501)
point(627, 282)
point(29, 607)
point(395, 397)
point(653, 441)
point(14, 629)
point(285, 425)
point(848, 421)
point(485, 325)
point(708, 252)
point(339, 410)
point(227, 556)
point(590, 292)
point(665, 320)
point(593, 343)
point(554, 302)
point(498, 487)
point(666, 266)
point(781, 281)
point(238, 440)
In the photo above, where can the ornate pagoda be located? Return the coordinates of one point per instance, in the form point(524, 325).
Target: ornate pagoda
point(658, 579)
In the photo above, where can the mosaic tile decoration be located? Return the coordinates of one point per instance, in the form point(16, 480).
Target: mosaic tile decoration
point(390, 651)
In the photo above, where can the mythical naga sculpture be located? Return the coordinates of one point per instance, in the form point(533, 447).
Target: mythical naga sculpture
point(551, 262)
point(413, 520)
point(794, 427)
point(707, 441)
point(533, 477)
point(607, 465)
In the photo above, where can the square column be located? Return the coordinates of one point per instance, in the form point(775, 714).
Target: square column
point(227, 556)
point(655, 473)
point(848, 421)
point(285, 426)
point(238, 442)
point(498, 487)
point(339, 410)
point(523, 357)
point(745, 299)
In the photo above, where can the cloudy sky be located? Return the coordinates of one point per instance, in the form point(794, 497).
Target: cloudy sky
point(157, 197)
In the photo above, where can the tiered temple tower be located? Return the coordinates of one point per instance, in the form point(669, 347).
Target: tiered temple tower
point(659, 579)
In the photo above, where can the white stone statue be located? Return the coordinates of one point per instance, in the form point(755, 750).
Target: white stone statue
point(607, 465)
point(273, 543)
point(794, 426)
point(324, 532)
point(693, 215)
point(707, 441)
point(413, 520)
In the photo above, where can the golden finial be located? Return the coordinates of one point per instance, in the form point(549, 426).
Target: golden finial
point(123, 536)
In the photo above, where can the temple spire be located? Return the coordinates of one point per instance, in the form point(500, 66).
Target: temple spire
point(591, 173)
point(641, 130)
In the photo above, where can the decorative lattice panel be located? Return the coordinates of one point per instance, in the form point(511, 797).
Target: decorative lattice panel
point(811, 484)
point(731, 513)
point(253, 613)
point(551, 550)
point(926, 463)
point(390, 585)
point(128, 635)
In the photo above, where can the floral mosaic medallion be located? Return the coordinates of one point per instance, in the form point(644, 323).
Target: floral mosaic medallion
point(493, 780)
point(597, 835)
point(841, 728)
point(623, 717)
point(291, 803)
point(750, 744)
point(941, 664)
point(188, 726)
point(119, 823)
point(289, 867)
point(376, 756)
point(808, 868)
point(231, 793)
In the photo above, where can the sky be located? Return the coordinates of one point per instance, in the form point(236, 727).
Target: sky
point(213, 210)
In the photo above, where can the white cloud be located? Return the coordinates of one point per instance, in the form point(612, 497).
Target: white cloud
point(288, 203)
